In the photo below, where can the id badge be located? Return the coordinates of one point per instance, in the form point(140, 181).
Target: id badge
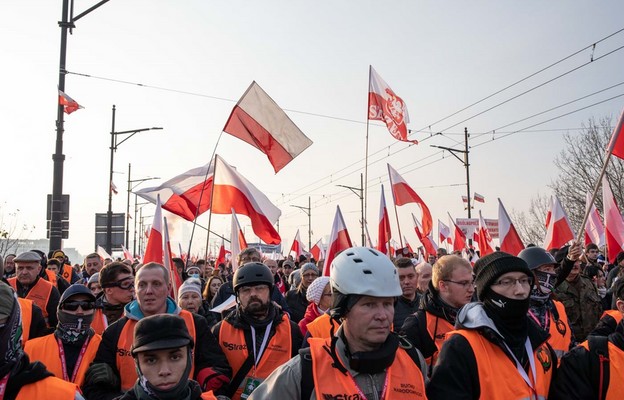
point(250, 385)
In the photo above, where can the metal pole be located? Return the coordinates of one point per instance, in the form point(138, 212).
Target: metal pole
point(128, 208)
point(309, 223)
point(109, 214)
point(362, 206)
point(135, 224)
point(467, 164)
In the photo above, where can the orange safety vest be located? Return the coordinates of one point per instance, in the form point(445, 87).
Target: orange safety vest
point(46, 350)
point(52, 278)
point(616, 371)
point(404, 380)
point(100, 322)
point(437, 328)
point(277, 352)
point(26, 311)
point(615, 314)
point(48, 388)
point(39, 294)
point(321, 326)
point(560, 332)
point(498, 374)
point(66, 272)
point(124, 359)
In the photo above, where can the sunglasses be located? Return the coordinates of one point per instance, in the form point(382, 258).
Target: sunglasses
point(73, 305)
point(124, 284)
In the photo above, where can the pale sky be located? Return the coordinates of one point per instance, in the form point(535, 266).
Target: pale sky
point(312, 58)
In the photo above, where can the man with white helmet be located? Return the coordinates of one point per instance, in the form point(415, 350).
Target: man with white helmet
point(363, 359)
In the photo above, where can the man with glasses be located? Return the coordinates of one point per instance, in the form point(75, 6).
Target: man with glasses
point(68, 351)
point(451, 287)
point(296, 297)
point(258, 337)
point(496, 352)
point(117, 284)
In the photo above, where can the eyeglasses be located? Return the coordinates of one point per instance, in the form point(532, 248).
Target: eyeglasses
point(123, 284)
point(464, 284)
point(511, 282)
point(73, 305)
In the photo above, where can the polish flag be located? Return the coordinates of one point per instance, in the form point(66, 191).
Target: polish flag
point(594, 229)
point(102, 253)
point(402, 194)
point(114, 188)
point(338, 240)
point(174, 278)
point(614, 225)
point(465, 199)
point(221, 256)
point(259, 121)
point(459, 238)
point(69, 105)
point(235, 241)
point(616, 144)
point(126, 253)
point(384, 225)
point(181, 196)
point(558, 228)
point(297, 246)
point(409, 248)
point(444, 232)
point(510, 241)
point(241, 236)
point(427, 241)
point(484, 239)
point(154, 248)
point(317, 250)
point(385, 105)
point(479, 198)
point(183, 255)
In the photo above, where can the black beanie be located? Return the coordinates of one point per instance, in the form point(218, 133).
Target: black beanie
point(488, 268)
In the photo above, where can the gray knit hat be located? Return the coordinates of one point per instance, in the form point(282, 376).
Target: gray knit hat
point(488, 268)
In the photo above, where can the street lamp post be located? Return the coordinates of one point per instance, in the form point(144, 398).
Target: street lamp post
point(308, 211)
point(113, 149)
point(136, 210)
point(130, 189)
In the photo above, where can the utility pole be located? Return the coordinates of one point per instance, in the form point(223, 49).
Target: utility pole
point(308, 211)
point(359, 192)
point(130, 189)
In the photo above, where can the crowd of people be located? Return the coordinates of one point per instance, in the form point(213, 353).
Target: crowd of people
point(539, 325)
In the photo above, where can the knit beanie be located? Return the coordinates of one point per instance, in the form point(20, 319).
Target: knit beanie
point(95, 278)
point(488, 268)
point(6, 300)
point(315, 290)
point(190, 285)
point(308, 267)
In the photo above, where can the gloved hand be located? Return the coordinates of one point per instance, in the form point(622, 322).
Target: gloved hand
point(209, 379)
point(101, 373)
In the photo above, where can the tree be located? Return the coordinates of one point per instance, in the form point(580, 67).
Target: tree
point(11, 232)
point(530, 224)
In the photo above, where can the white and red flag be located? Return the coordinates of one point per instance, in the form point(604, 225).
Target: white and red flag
point(614, 225)
point(235, 241)
point(221, 256)
point(478, 197)
point(102, 253)
point(409, 248)
point(384, 105)
point(558, 228)
point(459, 237)
point(385, 233)
point(510, 241)
point(616, 144)
point(181, 196)
point(402, 194)
point(174, 278)
point(242, 242)
point(259, 121)
point(317, 250)
point(114, 188)
point(465, 199)
point(444, 232)
point(154, 247)
point(69, 105)
point(126, 253)
point(594, 229)
point(297, 246)
point(484, 239)
point(427, 241)
point(338, 240)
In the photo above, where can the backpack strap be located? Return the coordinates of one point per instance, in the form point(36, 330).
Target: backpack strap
point(307, 378)
point(599, 362)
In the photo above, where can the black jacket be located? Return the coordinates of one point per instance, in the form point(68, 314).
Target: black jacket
point(403, 309)
point(297, 304)
point(196, 393)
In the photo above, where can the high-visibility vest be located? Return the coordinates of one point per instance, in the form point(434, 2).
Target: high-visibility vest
point(66, 272)
point(615, 314)
point(100, 322)
point(437, 328)
point(560, 332)
point(46, 350)
point(278, 350)
point(616, 371)
point(404, 379)
point(39, 294)
point(321, 326)
point(52, 278)
point(498, 375)
point(124, 359)
point(26, 310)
point(48, 388)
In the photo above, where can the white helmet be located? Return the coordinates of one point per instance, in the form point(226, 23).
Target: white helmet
point(366, 272)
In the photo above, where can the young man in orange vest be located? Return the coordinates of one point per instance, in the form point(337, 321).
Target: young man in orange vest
point(71, 348)
point(364, 359)
point(547, 313)
point(593, 370)
point(19, 378)
point(113, 371)
point(451, 287)
point(162, 352)
point(65, 268)
point(497, 352)
point(28, 284)
point(258, 336)
point(117, 283)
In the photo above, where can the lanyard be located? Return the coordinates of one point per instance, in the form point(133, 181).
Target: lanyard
point(361, 394)
point(529, 350)
point(260, 351)
point(78, 361)
point(3, 385)
point(546, 319)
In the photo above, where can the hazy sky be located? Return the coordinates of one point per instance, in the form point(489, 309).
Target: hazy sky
point(313, 59)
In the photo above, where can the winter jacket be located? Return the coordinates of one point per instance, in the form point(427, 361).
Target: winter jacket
point(312, 313)
point(297, 303)
point(582, 304)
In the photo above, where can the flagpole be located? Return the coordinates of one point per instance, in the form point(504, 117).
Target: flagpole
point(366, 157)
point(214, 174)
point(201, 194)
point(396, 214)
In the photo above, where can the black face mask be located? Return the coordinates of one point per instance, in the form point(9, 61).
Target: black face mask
point(73, 328)
point(505, 308)
point(11, 340)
